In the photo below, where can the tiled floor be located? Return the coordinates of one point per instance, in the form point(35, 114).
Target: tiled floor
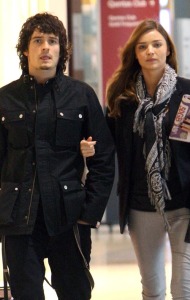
point(114, 268)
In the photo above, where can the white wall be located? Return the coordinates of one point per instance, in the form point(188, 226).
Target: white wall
point(13, 13)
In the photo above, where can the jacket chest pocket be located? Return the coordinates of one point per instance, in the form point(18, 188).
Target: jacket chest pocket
point(69, 127)
point(15, 123)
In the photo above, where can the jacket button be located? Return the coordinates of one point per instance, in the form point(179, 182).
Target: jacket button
point(80, 116)
point(65, 187)
point(61, 114)
point(3, 119)
point(20, 116)
point(16, 189)
point(34, 111)
point(30, 190)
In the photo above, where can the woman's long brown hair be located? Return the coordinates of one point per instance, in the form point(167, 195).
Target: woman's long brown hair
point(121, 86)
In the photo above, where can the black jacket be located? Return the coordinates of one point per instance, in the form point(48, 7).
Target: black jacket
point(122, 131)
point(40, 155)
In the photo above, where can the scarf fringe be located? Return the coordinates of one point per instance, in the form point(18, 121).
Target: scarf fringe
point(166, 191)
point(166, 222)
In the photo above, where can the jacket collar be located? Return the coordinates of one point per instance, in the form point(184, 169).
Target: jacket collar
point(56, 81)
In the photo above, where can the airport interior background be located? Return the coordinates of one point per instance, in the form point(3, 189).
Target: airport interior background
point(113, 263)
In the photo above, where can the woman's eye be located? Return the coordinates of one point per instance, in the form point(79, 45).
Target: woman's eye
point(141, 47)
point(157, 45)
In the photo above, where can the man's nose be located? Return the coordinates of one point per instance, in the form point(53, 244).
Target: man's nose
point(45, 45)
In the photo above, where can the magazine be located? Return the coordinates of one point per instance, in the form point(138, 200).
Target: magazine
point(181, 127)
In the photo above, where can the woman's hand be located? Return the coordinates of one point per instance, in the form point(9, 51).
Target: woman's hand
point(87, 147)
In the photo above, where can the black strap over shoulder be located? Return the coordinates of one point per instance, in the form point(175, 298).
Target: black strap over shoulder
point(6, 278)
point(86, 265)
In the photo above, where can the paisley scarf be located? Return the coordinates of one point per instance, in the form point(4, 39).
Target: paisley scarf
point(148, 122)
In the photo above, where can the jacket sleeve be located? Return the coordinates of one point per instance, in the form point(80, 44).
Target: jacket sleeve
point(187, 236)
point(101, 167)
point(3, 147)
point(111, 124)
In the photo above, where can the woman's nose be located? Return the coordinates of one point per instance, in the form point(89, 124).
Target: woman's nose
point(150, 50)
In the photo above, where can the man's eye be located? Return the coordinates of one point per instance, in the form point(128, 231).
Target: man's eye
point(52, 42)
point(37, 41)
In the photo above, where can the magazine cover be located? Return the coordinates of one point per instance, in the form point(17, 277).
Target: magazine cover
point(181, 127)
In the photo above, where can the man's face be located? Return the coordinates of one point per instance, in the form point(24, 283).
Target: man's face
point(43, 54)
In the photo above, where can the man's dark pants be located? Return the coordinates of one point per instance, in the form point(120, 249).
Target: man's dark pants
point(25, 257)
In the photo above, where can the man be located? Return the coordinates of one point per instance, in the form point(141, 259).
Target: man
point(44, 116)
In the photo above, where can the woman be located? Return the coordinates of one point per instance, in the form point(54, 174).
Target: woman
point(143, 97)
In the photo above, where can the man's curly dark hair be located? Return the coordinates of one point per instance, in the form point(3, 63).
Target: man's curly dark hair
point(46, 23)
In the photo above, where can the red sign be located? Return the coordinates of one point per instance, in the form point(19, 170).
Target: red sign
point(118, 19)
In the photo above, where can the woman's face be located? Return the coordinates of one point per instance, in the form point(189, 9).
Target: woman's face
point(151, 51)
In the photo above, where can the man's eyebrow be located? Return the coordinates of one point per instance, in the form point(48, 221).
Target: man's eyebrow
point(41, 37)
point(54, 37)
